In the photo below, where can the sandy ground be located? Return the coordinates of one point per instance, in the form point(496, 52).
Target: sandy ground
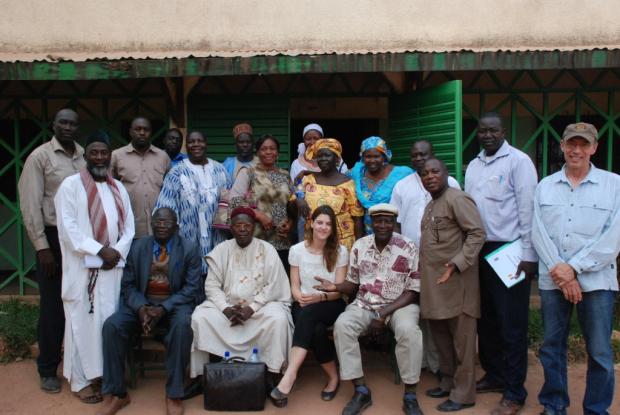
point(20, 394)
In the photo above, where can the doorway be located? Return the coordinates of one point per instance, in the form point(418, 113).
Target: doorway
point(348, 119)
point(350, 132)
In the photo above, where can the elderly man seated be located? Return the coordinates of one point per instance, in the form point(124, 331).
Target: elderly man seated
point(159, 287)
point(383, 266)
point(248, 300)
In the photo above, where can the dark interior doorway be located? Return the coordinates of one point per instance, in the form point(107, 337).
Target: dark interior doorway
point(350, 132)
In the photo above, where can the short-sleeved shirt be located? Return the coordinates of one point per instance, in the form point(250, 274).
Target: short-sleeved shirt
point(142, 175)
point(383, 276)
point(313, 265)
point(45, 169)
point(341, 198)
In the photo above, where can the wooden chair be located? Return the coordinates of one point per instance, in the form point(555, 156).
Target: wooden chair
point(142, 344)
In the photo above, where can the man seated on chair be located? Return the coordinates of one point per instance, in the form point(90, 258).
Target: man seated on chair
point(248, 300)
point(383, 266)
point(159, 287)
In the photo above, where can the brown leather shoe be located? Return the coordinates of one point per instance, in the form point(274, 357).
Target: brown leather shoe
point(507, 407)
point(174, 406)
point(113, 404)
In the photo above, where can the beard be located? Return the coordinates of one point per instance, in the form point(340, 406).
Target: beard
point(98, 172)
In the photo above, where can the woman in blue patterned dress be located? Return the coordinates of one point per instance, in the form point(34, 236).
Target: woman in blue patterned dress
point(374, 176)
point(192, 189)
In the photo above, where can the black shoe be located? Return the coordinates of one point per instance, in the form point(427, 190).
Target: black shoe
point(451, 406)
point(411, 407)
point(328, 396)
point(279, 399)
point(193, 389)
point(358, 403)
point(437, 393)
point(484, 385)
point(50, 384)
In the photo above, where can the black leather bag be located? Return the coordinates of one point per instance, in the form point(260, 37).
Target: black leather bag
point(234, 385)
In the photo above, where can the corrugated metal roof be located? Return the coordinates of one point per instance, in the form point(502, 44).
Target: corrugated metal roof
point(388, 62)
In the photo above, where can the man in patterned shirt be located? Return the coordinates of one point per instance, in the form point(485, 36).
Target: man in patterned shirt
point(382, 269)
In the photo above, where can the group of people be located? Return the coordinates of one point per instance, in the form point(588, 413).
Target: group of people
point(127, 243)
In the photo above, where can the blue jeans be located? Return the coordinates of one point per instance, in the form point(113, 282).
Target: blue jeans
point(595, 315)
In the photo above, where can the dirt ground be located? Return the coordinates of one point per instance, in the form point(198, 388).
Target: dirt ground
point(20, 394)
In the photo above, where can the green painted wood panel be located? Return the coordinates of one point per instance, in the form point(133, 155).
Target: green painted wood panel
point(433, 114)
point(216, 116)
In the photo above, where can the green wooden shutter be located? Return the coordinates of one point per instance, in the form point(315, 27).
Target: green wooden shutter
point(216, 116)
point(434, 114)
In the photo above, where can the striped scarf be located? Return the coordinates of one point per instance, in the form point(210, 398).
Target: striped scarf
point(99, 221)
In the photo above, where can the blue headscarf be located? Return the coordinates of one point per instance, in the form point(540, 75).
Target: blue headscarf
point(382, 192)
point(378, 144)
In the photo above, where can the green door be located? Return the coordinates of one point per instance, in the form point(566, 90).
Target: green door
point(433, 114)
point(216, 116)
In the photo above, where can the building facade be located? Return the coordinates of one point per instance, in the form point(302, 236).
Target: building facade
point(404, 70)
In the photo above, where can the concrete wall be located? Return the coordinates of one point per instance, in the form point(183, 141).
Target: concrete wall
point(66, 29)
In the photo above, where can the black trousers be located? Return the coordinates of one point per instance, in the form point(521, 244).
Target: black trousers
point(283, 254)
point(118, 330)
point(502, 329)
point(51, 326)
point(311, 324)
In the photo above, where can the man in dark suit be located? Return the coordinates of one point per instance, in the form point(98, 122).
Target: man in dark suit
point(159, 288)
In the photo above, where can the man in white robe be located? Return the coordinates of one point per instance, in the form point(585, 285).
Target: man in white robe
point(248, 301)
point(95, 229)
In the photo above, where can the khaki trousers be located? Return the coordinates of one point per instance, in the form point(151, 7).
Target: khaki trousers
point(455, 339)
point(354, 321)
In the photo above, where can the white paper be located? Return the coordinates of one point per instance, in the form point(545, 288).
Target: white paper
point(505, 260)
point(95, 261)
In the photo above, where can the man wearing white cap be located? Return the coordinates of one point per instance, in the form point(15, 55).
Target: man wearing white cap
point(382, 269)
point(576, 232)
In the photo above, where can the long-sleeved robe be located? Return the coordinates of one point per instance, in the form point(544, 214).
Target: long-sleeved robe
point(83, 356)
point(252, 276)
point(193, 192)
point(452, 231)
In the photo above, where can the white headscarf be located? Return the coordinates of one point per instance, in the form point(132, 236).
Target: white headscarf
point(301, 148)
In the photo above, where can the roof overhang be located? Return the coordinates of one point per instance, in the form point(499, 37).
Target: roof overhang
point(93, 39)
point(265, 65)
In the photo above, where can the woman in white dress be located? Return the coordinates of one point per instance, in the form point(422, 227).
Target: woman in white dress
point(319, 255)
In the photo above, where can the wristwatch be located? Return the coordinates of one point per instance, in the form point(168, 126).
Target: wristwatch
point(376, 315)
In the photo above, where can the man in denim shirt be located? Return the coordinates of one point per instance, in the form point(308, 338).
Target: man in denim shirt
point(576, 232)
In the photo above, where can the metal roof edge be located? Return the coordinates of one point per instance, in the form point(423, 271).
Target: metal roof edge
point(325, 63)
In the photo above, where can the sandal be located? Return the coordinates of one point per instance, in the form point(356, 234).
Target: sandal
point(88, 395)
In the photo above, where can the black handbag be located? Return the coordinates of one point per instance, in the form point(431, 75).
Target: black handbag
point(234, 385)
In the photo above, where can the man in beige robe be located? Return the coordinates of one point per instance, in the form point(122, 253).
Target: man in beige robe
point(248, 301)
point(452, 236)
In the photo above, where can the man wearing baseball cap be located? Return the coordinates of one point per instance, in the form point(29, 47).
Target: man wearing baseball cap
point(576, 232)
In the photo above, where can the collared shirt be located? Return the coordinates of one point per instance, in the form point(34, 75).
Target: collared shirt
point(503, 186)
point(410, 197)
point(157, 248)
point(177, 159)
point(142, 175)
point(580, 226)
point(383, 276)
point(45, 169)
